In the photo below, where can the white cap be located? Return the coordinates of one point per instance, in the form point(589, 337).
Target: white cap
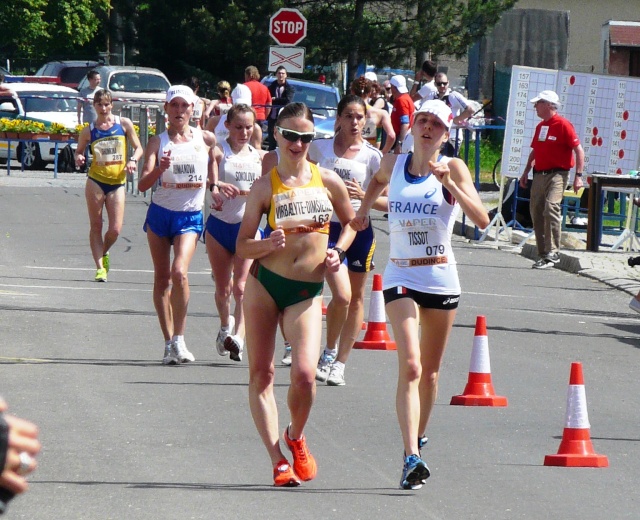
point(371, 76)
point(241, 95)
point(181, 91)
point(400, 83)
point(547, 95)
point(439, 109)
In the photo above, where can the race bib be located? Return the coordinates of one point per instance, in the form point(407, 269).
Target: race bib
point(419, 242)
point(109, 151)
point(182, 174)
point(370, 131)
point(242, 173)
point(302, 210)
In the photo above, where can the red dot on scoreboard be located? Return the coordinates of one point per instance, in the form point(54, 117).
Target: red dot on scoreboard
point(619, 171)
point(625, 115)
point(595, 130)
point(599, 141)
point(594, 140)
point(572, 80)
point(623, 134)
point(621, 154)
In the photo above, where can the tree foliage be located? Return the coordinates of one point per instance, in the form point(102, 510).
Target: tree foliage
point(395, 33)
point(45, 27)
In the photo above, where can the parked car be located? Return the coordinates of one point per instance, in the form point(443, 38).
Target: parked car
point(133, 86)
point(38, 102)
point(69, 72)
point(320, 98)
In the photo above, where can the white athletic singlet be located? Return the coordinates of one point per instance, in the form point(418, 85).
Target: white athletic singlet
point(420, 222)
point(221, 131)
point(361, 168)
point(241, 171)
point(183, 184)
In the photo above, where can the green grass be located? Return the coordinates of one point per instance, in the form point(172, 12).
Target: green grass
point(489, 155)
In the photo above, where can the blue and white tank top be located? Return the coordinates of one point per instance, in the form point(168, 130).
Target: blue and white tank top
point(421, 218)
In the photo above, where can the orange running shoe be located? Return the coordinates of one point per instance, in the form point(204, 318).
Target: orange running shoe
point(284, 476)
point(303, 462)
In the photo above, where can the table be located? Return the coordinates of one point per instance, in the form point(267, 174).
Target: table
point(598, 182)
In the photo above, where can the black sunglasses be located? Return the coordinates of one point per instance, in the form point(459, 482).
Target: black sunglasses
point(387, 88)
point(442, 83)
point(293, 136)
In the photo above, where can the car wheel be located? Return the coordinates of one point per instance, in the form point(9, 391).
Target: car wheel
point(29, 153)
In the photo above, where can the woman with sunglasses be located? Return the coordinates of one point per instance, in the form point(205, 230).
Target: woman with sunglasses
point(355, 161)
point(421, 286)
point(286, 278)
point(239, 165)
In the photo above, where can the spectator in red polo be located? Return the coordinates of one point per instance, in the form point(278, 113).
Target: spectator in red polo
point(553, 147)
point(402, 113)
point(260, 95)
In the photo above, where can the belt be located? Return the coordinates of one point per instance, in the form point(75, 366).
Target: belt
point(550, 172)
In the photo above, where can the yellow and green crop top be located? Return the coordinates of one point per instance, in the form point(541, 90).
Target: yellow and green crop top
point(303, 209)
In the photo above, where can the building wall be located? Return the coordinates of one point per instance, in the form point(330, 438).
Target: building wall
point(585, 23)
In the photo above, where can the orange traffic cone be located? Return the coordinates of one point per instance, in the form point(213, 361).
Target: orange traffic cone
point(575, 448)
point(479, 390)
point(376, 336)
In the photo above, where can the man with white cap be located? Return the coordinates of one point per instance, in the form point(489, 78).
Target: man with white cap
point(403, 108)
point(553, 147)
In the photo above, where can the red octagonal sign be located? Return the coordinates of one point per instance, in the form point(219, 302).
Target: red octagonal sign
point(288, 27)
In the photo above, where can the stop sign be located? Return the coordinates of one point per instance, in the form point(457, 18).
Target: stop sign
point(288, 26)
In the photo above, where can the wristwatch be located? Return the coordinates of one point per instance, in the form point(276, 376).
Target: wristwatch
point(341, 253)
point(578, 174)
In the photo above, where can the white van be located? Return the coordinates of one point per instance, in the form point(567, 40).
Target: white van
point(38, 102)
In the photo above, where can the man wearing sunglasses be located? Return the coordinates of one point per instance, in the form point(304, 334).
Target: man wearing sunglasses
point(460, 108)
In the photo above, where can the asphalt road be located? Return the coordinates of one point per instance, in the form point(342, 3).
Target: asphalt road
point(127, 438)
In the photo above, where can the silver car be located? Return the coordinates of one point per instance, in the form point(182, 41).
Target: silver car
point(134, 87)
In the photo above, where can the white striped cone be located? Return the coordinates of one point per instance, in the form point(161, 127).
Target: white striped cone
point(376, 337)
point(479, 390)
point(575, 448)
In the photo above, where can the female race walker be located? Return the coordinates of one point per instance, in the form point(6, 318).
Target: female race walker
point(107, 175)
point(181, 158)
point(421, 286)
point(355, 161)
point(287, 277)
point(239, 165)
point(377, 119)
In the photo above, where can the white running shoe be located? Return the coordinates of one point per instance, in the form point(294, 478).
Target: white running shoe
point(222, 335)
point(235, 346)
point(169, 355)
point(324, 366)
point(286, 359)
point(182, 353)
point(336, 374)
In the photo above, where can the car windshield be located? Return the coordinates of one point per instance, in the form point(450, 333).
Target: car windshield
point(321, 102)
point(137, 82)
point(43, 101)
point(73, 74)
